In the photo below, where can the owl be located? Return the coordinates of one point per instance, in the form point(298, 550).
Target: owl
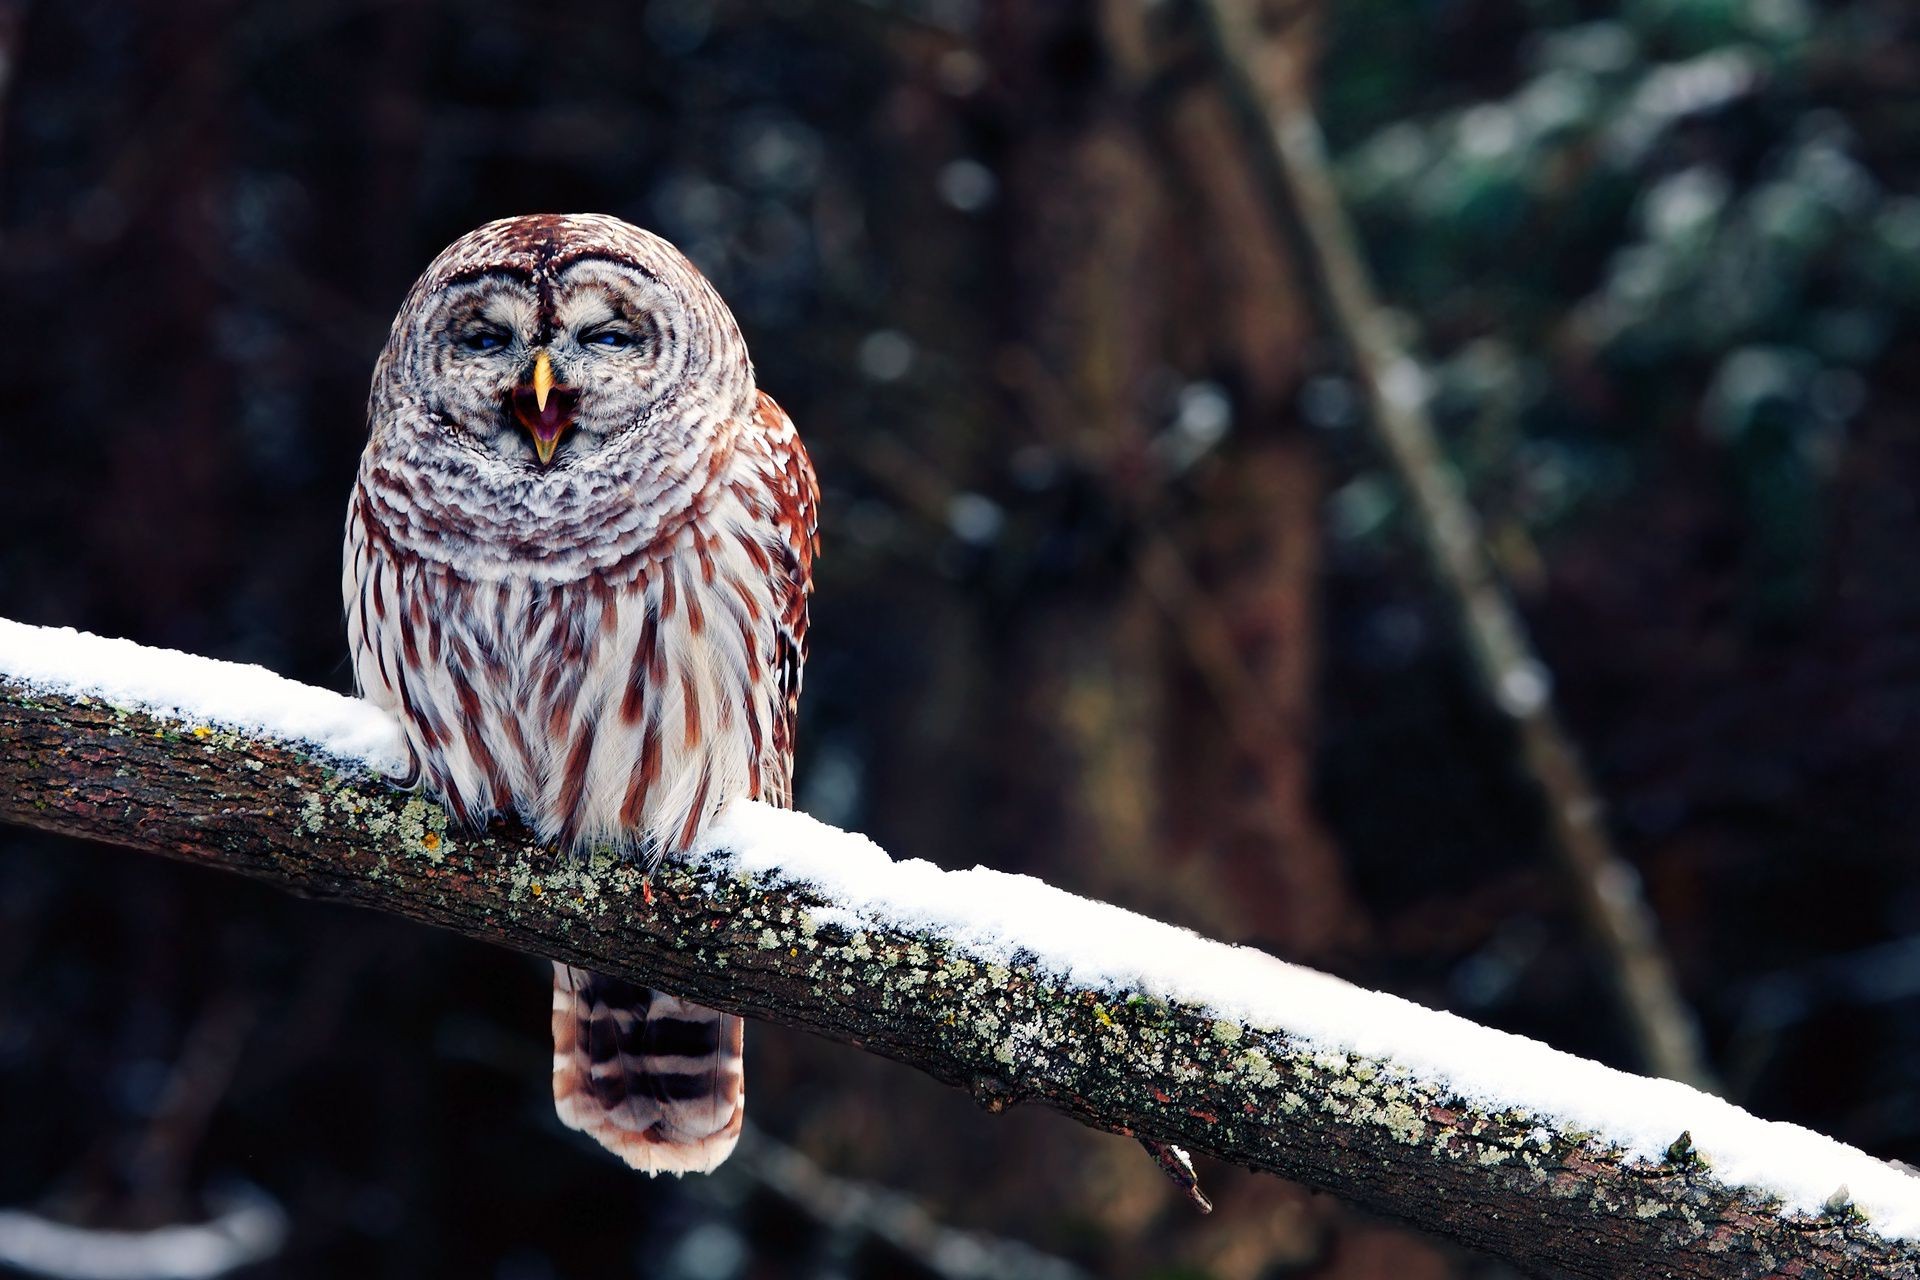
point(578, 556)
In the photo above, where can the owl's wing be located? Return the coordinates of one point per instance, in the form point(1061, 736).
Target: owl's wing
point(360, 581)
point(369, 588)
point(795, 495)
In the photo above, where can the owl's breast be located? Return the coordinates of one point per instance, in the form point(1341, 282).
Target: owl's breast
point(625, 706)
point(491, 518)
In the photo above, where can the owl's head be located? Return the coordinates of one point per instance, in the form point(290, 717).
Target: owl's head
point(543, 358)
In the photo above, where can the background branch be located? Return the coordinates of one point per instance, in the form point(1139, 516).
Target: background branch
point(1287, 152)
point(1370, 1130)
point(860, 1219)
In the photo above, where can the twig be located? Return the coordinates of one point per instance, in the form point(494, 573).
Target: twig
point(861, 1212)
point(199, 1081)
point(1287, 151)
point(1178, 1166)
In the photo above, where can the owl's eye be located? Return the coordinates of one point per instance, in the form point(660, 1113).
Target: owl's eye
point(484, 340)
point(609, 339)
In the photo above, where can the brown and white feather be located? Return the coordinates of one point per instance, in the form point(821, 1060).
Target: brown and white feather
point(609, 647)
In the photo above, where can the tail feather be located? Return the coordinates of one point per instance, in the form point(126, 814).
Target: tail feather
point(655, 1080)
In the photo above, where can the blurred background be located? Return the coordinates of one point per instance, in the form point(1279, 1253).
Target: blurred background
point(1116, 587)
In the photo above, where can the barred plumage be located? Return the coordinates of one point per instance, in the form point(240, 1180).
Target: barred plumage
point(577, 564)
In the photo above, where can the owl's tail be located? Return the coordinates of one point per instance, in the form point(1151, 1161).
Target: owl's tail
point(653, 1079)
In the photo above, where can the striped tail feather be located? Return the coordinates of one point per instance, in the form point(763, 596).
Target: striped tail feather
point(655, 1080)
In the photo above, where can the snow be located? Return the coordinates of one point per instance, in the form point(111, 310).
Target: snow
point(1000, 918)
point(200, 691)
point(251, 1228)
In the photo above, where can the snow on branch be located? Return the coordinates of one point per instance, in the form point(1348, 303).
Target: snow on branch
point(1000, 984)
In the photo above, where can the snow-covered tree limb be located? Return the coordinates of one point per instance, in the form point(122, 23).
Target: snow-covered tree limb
point(997, 984)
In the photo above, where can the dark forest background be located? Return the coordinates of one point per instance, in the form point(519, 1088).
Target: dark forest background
point(1114, 588)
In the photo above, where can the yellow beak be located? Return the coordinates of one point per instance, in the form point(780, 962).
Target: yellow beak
point(542, 381)
point(544, 449)
point(544, 407)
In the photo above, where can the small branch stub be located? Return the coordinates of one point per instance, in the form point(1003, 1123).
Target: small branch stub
point(1178, 1166)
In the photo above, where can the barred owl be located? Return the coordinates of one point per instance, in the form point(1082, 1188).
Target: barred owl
point(577, 563)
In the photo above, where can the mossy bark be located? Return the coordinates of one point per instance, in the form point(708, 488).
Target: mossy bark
point(1553, 1202)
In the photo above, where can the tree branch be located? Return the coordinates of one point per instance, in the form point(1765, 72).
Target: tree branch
point(1005, 1022)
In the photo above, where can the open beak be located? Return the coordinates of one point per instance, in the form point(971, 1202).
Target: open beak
point(544, 409)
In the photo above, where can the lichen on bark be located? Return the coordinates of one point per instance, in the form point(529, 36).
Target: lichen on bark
point(1507, 1183)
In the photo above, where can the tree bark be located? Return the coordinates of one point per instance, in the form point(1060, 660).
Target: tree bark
point(1554, 1203)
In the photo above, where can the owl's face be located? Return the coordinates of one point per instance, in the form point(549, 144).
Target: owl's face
point(540, 374)
point(544, 367)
